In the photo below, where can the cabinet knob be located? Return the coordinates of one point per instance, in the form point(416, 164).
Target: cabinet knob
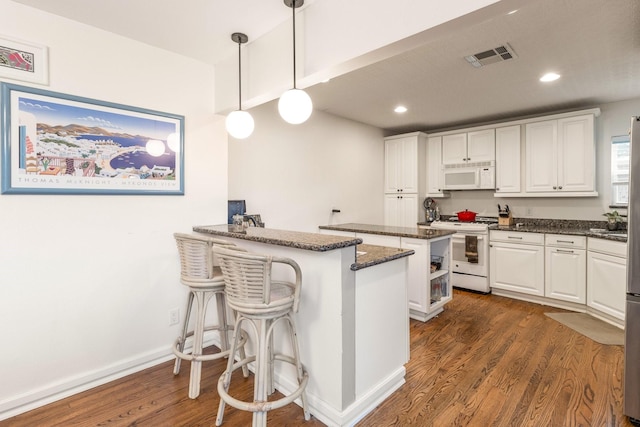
point(555, 188)
point(560, 188)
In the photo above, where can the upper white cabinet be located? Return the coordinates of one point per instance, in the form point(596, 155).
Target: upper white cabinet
point(434, 167)
point(560, 156)
point(403, 156)
point(470, 147)
point(508, 159)
point(404, 178)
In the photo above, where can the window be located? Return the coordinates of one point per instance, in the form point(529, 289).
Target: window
point(620, 171)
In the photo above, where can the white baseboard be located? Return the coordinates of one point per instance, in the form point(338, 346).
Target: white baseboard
point(49, 393)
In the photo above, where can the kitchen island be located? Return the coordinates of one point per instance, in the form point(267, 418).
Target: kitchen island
point(429, 285)
point(353, 322)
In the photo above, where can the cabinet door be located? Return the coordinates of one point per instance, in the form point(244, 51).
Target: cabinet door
point(408, 166)
point(607, 283)
point(418, 274)
point(508, 159)
point(576, 160)
point(481, 146)
point(408, 210)
point(541, 156)
point(401, 210)
point(565, 274)
point(517, 268)
point(391, 209)
point(454, 149)
point(434, 165)
point(392, 154)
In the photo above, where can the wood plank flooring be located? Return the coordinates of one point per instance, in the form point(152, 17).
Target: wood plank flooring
point(485, 361)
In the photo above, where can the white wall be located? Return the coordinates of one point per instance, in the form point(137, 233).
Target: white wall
point(614, 120)
point(294, 175)
point(87, 282)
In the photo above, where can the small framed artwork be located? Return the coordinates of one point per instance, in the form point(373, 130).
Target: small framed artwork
point(53, 143)
point(26, 61)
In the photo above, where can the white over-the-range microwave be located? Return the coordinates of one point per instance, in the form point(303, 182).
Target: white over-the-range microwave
point(469, 176)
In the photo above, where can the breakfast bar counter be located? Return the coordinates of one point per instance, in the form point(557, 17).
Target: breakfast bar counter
point(353, 322)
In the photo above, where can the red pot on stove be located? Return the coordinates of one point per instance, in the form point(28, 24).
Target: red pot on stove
point(466, 216)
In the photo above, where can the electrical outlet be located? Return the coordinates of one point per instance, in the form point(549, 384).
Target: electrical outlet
point(529, 211)
point(174, 316)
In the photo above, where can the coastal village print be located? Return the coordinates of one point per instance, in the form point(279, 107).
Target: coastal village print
point(65, 144)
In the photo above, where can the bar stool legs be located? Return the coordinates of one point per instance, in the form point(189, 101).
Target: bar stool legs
point(201, 299)
point(264, 364)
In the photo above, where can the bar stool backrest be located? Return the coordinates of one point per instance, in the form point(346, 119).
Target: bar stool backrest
point(197, 262)
point(248, 284)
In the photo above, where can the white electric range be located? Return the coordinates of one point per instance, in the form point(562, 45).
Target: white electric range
point(470, 258)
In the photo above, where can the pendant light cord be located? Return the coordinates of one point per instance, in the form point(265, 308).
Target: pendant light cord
point(239, 77)
point(293, 7)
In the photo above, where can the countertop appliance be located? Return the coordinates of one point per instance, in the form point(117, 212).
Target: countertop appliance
point(431, 211)
point(470, 258)
point(632, 319)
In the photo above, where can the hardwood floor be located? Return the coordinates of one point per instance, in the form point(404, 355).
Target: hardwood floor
point(485, 361)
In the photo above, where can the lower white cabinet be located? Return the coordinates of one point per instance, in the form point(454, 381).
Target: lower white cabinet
point(517, 262)
point(565, 268)
point(428, 290)
point(607, 277)
point(401, 210)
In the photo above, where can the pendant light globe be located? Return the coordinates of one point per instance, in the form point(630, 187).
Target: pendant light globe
point(295, 106)
point(239, 124)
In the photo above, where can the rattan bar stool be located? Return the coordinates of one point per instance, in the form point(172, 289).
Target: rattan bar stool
point(262, 303)
point(200, 273)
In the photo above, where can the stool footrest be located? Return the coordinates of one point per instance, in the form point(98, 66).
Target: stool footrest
point(205, 357)
point(262, 406)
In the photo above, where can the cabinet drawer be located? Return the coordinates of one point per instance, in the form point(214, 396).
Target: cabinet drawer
point(517, 237)
point(566, 241)
point(608, 247)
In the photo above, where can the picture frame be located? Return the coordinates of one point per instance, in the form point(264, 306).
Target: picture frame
point(25, 61)
point(54, 143)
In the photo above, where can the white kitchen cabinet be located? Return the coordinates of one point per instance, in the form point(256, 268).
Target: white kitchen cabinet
point(565, 267)
point(404, 162)
point(401, 210)
point(428, 291)
point(607, 277)
point(469, 147)
point(560, 155)
point(516, 262)
point(508, 159)
point(434, 167)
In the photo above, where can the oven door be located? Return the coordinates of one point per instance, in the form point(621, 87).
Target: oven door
point(464, 264)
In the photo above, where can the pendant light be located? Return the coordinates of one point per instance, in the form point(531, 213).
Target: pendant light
point(239, 123)
point(295, 105)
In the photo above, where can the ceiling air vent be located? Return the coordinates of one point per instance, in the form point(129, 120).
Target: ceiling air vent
point(498, 54)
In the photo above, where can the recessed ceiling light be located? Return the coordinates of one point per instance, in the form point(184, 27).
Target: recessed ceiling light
point(512, 12)
point(549, 77)
point(400, 109)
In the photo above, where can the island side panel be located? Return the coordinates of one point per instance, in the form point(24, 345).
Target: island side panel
point(382, 325)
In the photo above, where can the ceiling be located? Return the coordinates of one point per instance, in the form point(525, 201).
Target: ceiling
point(593, 44)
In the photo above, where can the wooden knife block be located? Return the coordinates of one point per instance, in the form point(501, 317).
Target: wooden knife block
point(505, 219)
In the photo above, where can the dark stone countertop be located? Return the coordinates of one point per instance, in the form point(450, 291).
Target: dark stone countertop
point(294, 239)
point(370, 255)
point(412, 232)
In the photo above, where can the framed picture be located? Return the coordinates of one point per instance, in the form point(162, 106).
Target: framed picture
point(62, 144)
point(21, 60)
